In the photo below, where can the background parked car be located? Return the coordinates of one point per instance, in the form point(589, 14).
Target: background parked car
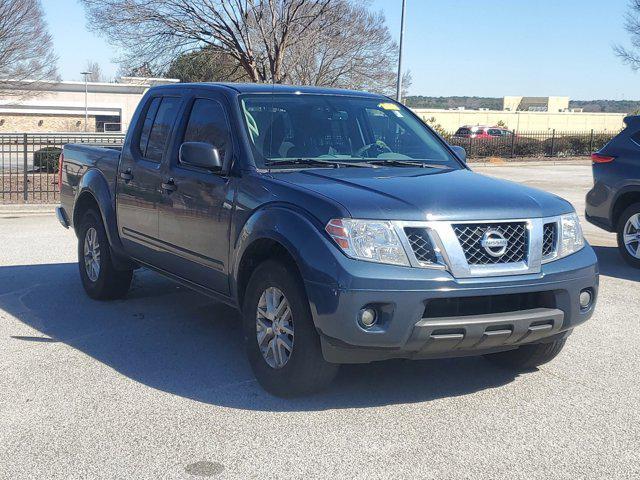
point(614, 201)
point(482, 131)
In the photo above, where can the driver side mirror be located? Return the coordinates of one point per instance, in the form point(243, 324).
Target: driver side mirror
point(200, 154)
point(460, 152)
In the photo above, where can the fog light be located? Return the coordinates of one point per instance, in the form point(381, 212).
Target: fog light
point(367, 317)
point(585, 298)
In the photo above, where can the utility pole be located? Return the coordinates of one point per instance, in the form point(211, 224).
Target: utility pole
point(399, 82)
point(86, 93)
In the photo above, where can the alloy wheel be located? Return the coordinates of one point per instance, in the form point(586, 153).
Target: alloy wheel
point(274, 327)
point(631, 235)
point(92, 254)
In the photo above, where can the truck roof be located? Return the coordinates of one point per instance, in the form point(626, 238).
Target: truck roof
point(274, 88)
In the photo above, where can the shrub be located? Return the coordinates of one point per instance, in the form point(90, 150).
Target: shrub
point(46, 159)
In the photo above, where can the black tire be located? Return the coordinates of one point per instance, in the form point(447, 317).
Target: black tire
point(110, 282)
point(306, 370)
point(527, 357)
point(626, 214)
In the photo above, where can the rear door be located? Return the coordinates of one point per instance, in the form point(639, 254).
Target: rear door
point(139, 180)
point(195, 216)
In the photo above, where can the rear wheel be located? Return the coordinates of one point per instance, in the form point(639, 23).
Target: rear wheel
point(527, 357)
point(100, 279)
point(282, 343)
point(629, 235)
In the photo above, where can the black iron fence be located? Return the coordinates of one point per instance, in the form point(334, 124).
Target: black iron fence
point(532, 144)
point(29, 163)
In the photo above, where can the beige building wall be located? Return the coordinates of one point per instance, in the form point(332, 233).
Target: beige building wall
point(552, 104)
point(11, 123)
point(59, 105)
point(451, 120)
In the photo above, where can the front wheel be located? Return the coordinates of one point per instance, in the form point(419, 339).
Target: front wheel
point(629, 235)
point(282, 343)
point(527, 357)
point(100, 279)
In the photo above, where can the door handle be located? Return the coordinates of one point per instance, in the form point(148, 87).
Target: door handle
point(127, 176)
point(169, 186)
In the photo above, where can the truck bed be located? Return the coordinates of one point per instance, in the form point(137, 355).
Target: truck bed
point(79, 159)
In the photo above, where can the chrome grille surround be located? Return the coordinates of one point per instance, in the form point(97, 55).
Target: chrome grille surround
point(451, 256)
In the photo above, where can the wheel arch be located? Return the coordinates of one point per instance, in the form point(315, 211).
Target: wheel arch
point(286, 234)
point(94, 192)
point(626, 197)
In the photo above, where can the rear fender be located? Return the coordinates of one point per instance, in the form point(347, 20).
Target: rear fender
point(94, 184)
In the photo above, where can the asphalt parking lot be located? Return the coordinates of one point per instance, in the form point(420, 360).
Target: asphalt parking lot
point(157, 386)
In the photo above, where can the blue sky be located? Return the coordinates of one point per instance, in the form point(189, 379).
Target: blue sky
point(456, 47)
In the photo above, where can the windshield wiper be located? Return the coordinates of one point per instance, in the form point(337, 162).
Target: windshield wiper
point(315, 161)
point(407, 163)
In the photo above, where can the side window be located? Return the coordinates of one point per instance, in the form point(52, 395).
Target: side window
point(148, 122)
point(208, 123)
point(161, 128)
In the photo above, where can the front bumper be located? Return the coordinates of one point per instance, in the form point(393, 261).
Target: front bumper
point(406, 329)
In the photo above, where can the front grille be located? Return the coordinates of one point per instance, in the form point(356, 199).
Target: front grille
point(421, 244)
point(549, 239)
point(488, 304)
point(470, 235)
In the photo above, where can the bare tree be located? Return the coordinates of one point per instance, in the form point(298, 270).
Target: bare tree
point(256, 33)
point(26, 50)
point(96, 72)
point(631, 55)
point(320, 42)
point(351, 48)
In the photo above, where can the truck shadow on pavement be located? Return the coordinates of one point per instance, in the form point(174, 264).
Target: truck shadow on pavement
point(169, 338)
point(612, 265)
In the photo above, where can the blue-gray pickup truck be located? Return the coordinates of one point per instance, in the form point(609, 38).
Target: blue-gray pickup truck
point(341, 227)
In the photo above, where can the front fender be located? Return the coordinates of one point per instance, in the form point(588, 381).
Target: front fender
point(299, 233)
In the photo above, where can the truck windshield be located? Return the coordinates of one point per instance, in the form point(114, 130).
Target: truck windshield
point(340, 128)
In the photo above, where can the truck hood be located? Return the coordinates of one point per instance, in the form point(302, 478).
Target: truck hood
point(426, 194)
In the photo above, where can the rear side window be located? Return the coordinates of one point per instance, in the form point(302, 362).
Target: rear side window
point(148, 122)
point(463, 131)
point(161, 127)
point(208, 124)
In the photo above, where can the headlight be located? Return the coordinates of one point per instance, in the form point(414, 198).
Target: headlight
point(571, 239)
point(371, 240)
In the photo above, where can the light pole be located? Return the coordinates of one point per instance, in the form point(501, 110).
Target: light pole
point(86, 108)
point(399, 82)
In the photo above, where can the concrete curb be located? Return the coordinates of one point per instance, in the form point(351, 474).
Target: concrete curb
point(27, 209)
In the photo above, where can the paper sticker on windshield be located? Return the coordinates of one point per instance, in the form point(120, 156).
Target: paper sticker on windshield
point(389, 106)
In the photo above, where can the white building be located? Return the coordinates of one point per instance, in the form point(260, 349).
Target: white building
point(60, 106)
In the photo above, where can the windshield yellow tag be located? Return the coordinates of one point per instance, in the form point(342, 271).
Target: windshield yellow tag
point(389, 106)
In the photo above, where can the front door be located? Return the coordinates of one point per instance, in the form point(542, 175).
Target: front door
point(195, 215)
point(139, 179)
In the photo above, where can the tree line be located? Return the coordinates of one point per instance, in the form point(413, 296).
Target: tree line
point(495, 103)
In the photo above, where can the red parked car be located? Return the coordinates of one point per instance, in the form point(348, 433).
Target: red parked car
point(482, 131)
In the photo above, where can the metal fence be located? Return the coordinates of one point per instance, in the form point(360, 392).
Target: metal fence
point(533, 144)
point(29, 163)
